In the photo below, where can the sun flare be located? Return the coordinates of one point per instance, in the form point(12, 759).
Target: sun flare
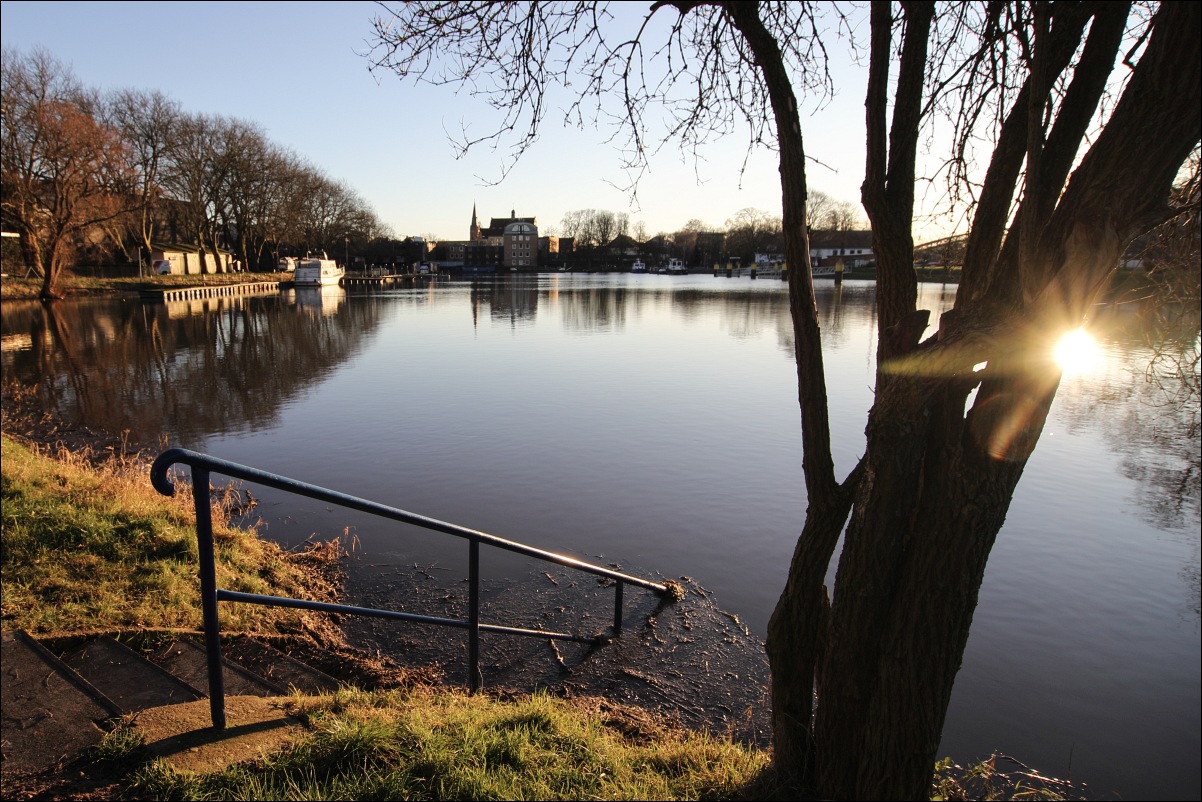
point(1078, 352)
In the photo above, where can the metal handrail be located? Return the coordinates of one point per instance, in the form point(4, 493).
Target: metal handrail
point(203, 465)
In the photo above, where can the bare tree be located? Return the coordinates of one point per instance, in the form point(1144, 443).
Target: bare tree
point(63, 172)
point(752, 231)
point(862, 677)
point(605, 226)
point(146, 121)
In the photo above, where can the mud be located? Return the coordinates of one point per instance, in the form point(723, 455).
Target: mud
point(685, 659)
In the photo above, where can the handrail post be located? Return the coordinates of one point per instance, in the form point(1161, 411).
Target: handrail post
point(473, 615)
point(208, 593)
point(618, 608)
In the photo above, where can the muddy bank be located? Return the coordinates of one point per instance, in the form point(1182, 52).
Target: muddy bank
point(686, 659)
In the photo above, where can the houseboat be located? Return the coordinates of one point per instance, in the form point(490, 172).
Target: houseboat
point(675, 267)
point(639, 267)
point(316, 272)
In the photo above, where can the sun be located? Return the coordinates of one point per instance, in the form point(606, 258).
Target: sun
point(1078, 352)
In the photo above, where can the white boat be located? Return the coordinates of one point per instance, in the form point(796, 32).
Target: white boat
point(315, 272)
point(675, 267)
point(286, 264)
point(639, 267)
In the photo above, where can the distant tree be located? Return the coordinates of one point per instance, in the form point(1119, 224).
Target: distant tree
point(147, 123)
point(572, 224)
point(193, 180)
point(594, 228)
point(861, 678)
point(818, 209)
point(752, 231)
point(604, 227)
point(63, 172)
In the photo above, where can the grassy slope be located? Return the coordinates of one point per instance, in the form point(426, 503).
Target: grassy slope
point(93, 548)
point(87, 548)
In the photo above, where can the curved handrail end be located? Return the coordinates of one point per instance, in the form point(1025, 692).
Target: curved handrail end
point(162, 464)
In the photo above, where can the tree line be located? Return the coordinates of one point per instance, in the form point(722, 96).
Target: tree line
point(108, 174)
point(747, 232)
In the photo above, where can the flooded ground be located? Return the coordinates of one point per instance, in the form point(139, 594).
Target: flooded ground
point(685, 659)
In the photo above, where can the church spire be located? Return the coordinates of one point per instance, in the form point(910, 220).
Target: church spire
point(474, 234)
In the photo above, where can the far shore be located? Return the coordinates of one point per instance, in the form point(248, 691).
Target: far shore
point(79, 284)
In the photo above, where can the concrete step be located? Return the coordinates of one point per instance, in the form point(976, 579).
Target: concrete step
point(188, 661)
point(56, 695)
point(51, 714)
point(128, 679)
point(277, 667)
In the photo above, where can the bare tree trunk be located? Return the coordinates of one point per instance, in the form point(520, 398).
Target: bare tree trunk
point(796, 631)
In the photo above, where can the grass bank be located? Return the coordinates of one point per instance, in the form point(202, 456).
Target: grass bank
point(424, 744)
point(87, 545)
point(92, 547)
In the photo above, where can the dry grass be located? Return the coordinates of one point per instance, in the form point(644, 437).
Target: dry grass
point(88, 544)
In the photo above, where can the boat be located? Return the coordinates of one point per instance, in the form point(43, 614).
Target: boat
point(313, 271)
point(639, 267)
point(675, 267)
point(286, 264)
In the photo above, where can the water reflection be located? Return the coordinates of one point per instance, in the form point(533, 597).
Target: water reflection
point(183, 369)
point(324, 300)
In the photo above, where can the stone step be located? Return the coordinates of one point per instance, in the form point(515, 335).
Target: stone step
point(56, 695)
point(51, 714)
point(128, 679)
point(187, 660)
point(277, 667)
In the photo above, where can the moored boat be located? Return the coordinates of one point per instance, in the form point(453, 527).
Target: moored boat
point(316, 272)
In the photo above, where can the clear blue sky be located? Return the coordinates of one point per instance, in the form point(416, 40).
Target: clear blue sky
point(296, 69)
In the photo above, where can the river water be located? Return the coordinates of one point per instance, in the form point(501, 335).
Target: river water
point(652, 422)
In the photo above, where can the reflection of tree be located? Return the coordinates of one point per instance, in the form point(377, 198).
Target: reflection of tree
point(594, 309)
point(1160, 449)
point(509, 300)
point(1156, 436)
point(131, 367)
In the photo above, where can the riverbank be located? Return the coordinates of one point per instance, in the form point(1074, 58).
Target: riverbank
point(71, 498)
point(16, 288)
point(70, 566)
